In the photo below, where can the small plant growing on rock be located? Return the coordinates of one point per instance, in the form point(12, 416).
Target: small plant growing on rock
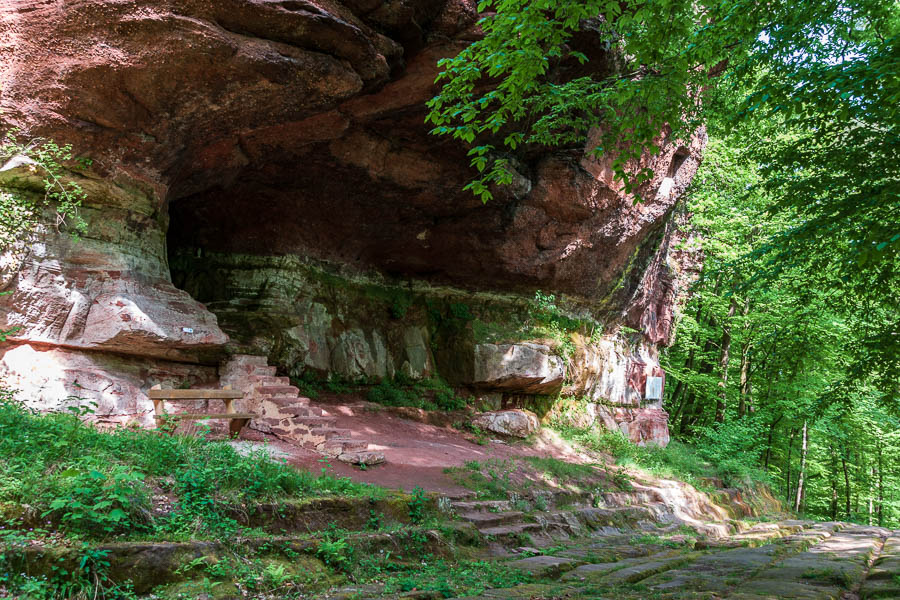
point(416, 505)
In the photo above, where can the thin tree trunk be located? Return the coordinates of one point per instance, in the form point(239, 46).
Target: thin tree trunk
point(724, 354)
point(846, 483)
point(880, 487)
point(746, 402)
point(802, 474)
point(769, 442)
point(789, 491)
point(832, 475)
point(680, 388)
point(689, 419)
point(871, 498)
point(687, 413)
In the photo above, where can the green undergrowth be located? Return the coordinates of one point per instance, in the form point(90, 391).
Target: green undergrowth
point(694, 465)
point(90, 484)
point(428, 394)
point(532, 476)
point(546, 321)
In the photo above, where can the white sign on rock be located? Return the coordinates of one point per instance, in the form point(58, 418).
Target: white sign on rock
point(654, 388)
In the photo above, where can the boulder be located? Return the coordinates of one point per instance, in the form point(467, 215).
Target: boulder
point(525, 368)
point(514, 422)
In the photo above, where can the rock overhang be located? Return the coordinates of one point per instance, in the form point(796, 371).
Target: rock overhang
point(296, 129)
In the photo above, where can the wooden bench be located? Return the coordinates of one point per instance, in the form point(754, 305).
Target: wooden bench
point(236, 420)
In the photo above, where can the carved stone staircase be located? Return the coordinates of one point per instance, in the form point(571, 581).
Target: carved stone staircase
point(286, 414)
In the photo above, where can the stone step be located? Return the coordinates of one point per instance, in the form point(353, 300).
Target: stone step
point(505, 530)
point(338, 446)
point(269, 380)
point(470, 506)
point(316, 422)
point(286, 401)
point(300, 410)
point(278, 390)
point(329, 433)
point(265, 371)
point(489, 519)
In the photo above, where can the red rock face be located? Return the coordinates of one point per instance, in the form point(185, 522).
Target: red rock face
point(296, 127)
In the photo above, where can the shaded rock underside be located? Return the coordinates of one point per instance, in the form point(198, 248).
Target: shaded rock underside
point(236, 142)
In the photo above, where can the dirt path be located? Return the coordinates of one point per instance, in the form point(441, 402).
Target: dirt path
point(416, 453)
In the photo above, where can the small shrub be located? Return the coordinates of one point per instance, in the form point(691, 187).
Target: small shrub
point(417, 505)
point(334, 552)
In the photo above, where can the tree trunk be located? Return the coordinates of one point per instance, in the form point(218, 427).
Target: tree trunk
point(846, 483)
point(802, 474)
point(789, 490)
point(880, 488)
point(724, 353)
point(687, 413)
point(769, 443)
point(746, 402)
point(680, 389)
point(833, 477)
point(871, 498)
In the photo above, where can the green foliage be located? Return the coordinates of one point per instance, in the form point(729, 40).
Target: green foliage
point(561, 471)
point(98, 484)
point(400, 305)
point(769, 344)
point(20, 210)
point(450, 580)
point(334, 552)
point(676, 460)
point(88, 579)
point(100, 503)
point(417, 504)
point(429, 394)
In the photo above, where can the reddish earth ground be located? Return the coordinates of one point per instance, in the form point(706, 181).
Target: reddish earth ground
point(416, 453)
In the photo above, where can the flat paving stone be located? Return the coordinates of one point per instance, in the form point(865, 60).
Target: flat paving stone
point(528, 591)
point(544, 566)
point(638, 572)
point(596, 571)
point(772, 589)
point(879, 588)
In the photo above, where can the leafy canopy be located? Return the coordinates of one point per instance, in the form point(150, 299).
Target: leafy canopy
point(529, 80)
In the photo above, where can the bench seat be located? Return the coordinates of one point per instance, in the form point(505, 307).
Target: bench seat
point(236, 420)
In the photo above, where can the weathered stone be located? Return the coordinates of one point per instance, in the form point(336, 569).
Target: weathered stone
point(543, 566)
point(514, 422)
point(418, 357)
point(238, 134)
point(362, 458)
point(525, 368)
point(54, 378)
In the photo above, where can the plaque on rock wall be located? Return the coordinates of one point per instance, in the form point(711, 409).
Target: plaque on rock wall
point(654, 388)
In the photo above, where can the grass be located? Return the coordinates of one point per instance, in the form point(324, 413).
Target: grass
point(560, 470)
point(93, 484)
point(675, 461)
point(495, 479)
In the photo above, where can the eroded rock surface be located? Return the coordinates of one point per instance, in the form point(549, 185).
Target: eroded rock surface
point(524, 368)
point(237, 142)
point(516, 422)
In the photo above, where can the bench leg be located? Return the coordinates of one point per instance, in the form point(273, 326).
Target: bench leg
point(235, 426)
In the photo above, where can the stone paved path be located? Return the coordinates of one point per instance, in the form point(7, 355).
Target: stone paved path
point(815, 561)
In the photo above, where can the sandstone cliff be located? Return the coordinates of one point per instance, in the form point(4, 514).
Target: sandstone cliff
point(263, 181)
